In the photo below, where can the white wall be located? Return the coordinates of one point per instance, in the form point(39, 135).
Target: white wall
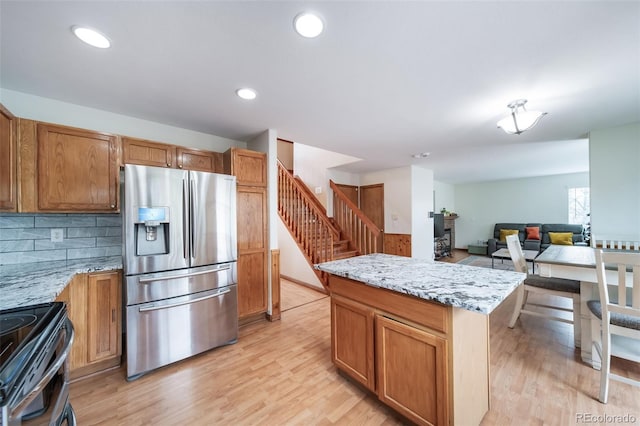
point(293, 264)
point(49, 110)
point(444, 197)
point(614, 162)
point(267, 141)
point(421, 204)
point(538, 200)
point(397, 197)
point(311, 164)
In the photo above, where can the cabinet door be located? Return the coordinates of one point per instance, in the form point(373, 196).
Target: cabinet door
point(77, 170)
point(252, 225)
point(352, 340)
point(195, 159)
point(103, 316)
point(249, 167)
point(412, 371)
point(147, 153)
point(252, 283)
point(8, 183)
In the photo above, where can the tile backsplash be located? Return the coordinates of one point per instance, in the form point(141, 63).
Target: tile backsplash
point(26, 238)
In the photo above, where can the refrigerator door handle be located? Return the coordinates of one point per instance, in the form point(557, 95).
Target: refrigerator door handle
point(186, 302)
point(185, 217)
point(175, 277)
point(192, 210)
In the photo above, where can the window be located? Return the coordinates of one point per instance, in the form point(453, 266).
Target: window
point(579, 206)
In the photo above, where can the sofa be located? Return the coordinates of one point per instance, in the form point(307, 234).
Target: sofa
point(540, 241)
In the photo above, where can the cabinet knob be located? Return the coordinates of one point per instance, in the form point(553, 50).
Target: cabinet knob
point(113, 206)
point(168, 164)
point(180, 166)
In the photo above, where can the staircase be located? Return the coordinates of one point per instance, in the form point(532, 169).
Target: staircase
point(319, 237)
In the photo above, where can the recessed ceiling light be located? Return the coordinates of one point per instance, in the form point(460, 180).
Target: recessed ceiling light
point(246, 93)
point(92, 37)
point(421, 155)
point(308, 25)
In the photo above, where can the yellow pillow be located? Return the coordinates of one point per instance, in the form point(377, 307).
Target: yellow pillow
point(561, 238)
point(505, 232)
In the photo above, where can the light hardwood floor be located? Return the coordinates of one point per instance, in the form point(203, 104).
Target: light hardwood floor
point(293, 294)
point(281, 374)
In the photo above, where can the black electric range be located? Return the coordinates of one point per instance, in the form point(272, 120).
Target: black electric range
point(34, 344)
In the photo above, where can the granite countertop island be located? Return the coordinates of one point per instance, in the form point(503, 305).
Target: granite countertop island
point(41, 282)
point(472, 288)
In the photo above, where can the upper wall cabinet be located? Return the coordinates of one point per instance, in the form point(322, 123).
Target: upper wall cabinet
point(68, 169)
point(8, 183)
point(147, 153)
point(196, 159)
point(249, 167)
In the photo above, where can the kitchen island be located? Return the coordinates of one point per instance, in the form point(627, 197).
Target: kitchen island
point(416, 332)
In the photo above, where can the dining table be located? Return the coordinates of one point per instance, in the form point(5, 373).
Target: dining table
point(577, 263)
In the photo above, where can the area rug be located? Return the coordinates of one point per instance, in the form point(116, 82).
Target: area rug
point(485, 262)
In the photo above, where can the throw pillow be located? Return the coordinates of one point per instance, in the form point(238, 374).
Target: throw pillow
point(505, 232)
point(561, 238)
point(533, 232)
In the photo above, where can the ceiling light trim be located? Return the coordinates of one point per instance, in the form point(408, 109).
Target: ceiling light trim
point(308, 24)
point(91, 36)
point(520, 119)
point(247, 93)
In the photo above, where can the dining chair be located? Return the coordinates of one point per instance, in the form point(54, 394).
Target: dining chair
point(615, 319)
point(615, 243)
point(546, 286)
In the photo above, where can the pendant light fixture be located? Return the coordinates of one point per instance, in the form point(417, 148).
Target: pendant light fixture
point(520, 119)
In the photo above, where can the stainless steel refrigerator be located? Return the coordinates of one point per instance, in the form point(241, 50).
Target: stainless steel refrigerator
point(179, 255)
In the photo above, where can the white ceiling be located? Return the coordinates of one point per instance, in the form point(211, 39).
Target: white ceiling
point(384, 81)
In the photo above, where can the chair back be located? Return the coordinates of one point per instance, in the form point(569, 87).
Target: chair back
point(515, 252)
point(626, 294)
point(615, 243)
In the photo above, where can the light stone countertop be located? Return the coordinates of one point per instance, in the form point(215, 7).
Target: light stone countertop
point(41, 282)
point(468, 287)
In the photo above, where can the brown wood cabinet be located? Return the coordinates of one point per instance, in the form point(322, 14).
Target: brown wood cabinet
point(352, 336)
point(147, 153)
point(250, 167)
point(412, 371)
point(64, 169)
point(196, 159)
point(253, 244)
point(428, 361)
point(8, 161)
point(95, 309)
point(150, 153)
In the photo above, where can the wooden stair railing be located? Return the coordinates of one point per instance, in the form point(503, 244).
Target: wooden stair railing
point(307, 223)
point(353, 223)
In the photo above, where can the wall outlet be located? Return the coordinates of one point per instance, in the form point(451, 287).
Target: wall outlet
point(318, 190)
point(57, 235)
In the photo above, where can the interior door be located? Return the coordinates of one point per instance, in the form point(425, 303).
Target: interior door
point(372, 205)
point(351, 192)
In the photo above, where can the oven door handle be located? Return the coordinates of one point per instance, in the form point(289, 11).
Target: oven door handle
point(48, 375)
point(186, 302)
point(175, 277)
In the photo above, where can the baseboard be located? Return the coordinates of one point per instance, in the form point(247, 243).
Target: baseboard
point(302, 283)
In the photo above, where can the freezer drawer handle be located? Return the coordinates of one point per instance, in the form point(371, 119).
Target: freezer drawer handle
point(175, 277)
point(187, 302)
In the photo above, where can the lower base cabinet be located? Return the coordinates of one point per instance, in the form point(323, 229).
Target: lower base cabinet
point(427, 361)
point(94, 305)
